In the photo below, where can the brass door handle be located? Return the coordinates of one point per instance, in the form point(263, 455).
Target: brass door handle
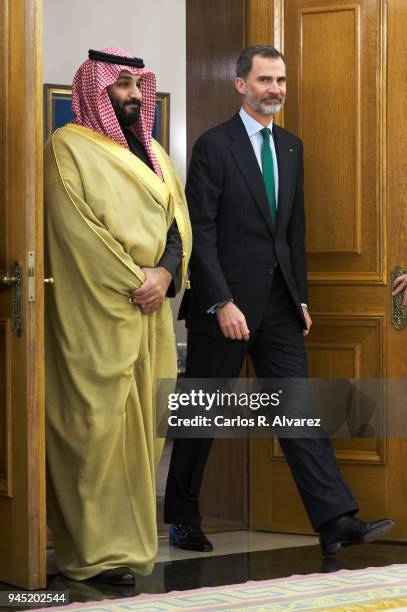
point(398, 310)
point(49, 281)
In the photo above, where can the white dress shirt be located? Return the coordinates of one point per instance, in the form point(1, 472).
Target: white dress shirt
point(253, 129)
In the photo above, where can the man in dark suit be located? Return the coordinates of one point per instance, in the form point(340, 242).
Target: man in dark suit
point(249, 295)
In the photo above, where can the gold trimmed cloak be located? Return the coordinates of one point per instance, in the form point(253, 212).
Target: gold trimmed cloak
point(106, 216)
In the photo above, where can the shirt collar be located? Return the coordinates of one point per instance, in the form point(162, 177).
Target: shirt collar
point(252, 126)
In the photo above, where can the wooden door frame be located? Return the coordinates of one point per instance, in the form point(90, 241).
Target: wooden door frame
point(35, 322)
point(23, 544)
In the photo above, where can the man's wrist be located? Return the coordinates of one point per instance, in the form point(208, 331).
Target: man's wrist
point(164, 270)
point(222, 304)
point(215, 307)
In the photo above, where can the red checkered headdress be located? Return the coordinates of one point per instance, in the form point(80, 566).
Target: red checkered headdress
point(93, 108)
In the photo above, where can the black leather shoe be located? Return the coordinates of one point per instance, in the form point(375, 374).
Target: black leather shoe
point(348, 530)
point(119, 575)
point(189, 537)
point(330, 564)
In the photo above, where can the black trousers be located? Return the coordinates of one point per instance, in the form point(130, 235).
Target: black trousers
point(277, 350)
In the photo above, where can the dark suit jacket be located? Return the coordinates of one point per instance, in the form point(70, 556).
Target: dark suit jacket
point(235, 247)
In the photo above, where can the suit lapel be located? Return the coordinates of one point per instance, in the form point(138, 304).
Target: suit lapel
point(242, 151)
point(285, 161)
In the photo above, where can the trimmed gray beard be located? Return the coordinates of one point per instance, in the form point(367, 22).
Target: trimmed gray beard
point(264, 109)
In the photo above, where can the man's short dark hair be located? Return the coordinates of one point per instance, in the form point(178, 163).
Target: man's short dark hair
point(245, 60)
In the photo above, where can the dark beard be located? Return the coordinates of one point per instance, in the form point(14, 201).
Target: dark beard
point(125, 117)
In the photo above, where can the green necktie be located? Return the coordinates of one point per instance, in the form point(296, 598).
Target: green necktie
point(268, 173)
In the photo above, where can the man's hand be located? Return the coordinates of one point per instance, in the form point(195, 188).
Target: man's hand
point(152, 292)
point(308, 320)
point(399, 285)
point(232, 322)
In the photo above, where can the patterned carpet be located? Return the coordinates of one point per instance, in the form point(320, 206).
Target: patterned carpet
point(350, 591)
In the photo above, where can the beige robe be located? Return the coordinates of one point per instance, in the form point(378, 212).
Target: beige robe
point(106, 216)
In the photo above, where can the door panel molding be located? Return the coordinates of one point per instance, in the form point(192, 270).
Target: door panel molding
point(373, 456)
point(360, 333)
point(343, 172)
point(337, 104)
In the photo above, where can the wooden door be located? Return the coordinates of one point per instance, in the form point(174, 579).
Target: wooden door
point(22, 452)
point(346, 99)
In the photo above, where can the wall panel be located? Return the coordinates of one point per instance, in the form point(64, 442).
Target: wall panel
point(216, 33)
